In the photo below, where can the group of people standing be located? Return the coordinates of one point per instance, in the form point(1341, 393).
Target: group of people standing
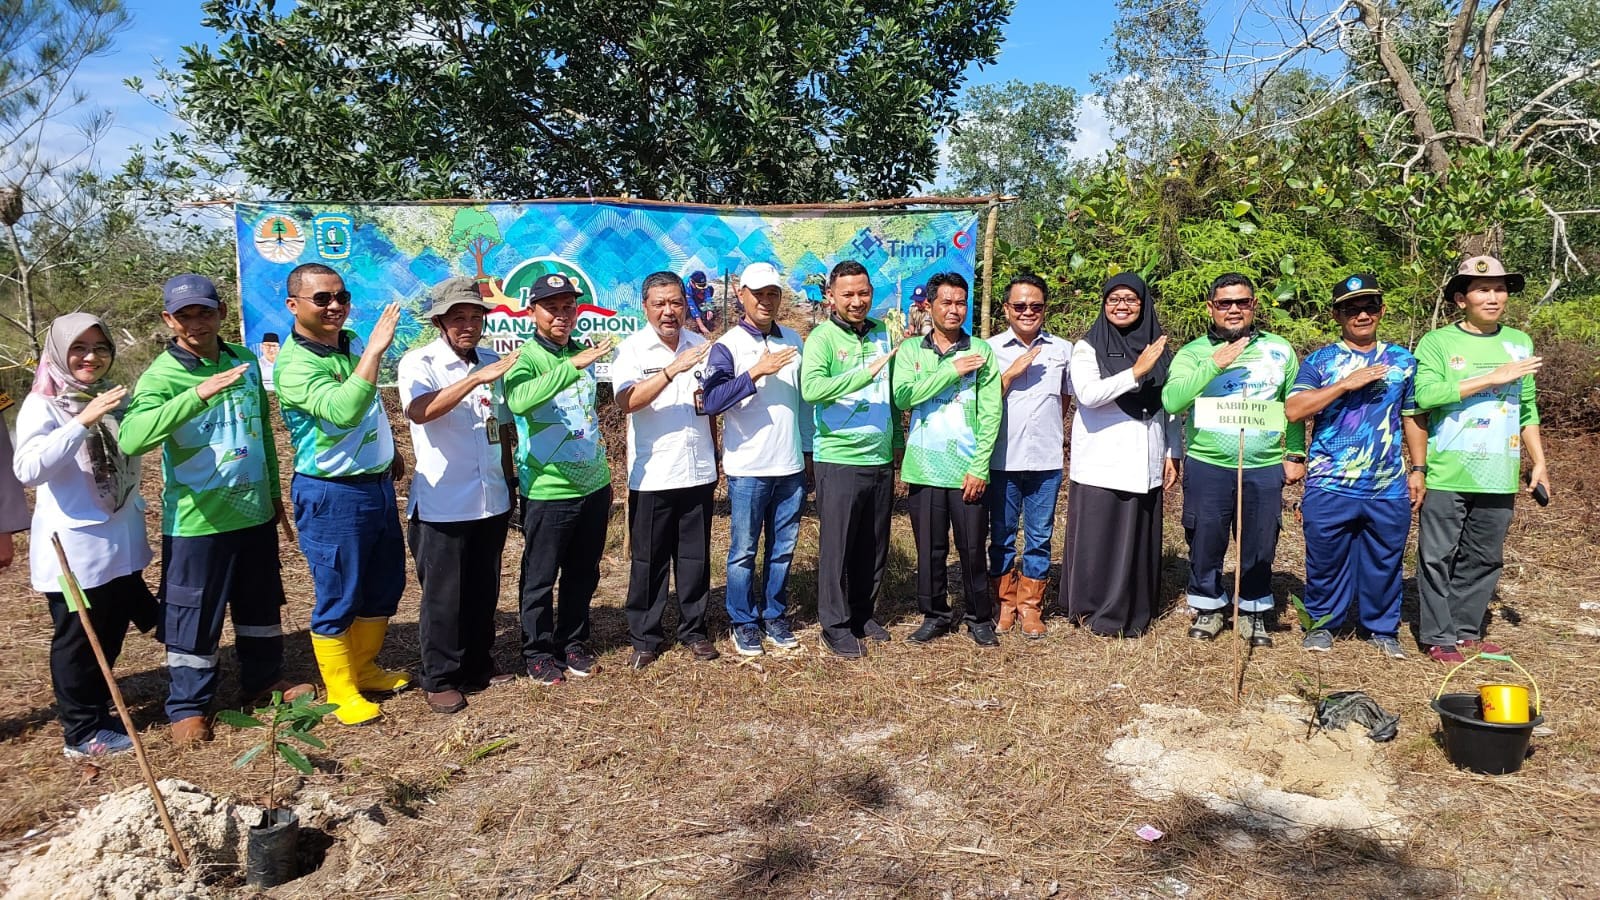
point(975, 429)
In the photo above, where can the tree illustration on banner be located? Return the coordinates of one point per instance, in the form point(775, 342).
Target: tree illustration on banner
point(475, 231)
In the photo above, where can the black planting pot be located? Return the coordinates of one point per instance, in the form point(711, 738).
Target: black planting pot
point(271, 850)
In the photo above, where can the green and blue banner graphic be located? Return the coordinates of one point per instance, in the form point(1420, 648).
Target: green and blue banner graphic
point(397, 252)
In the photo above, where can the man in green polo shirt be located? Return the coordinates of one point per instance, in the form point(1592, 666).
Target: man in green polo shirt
point(844, 374)
point(565, 482)
point(1475, 380)
point(344, 506)
point(1234, 358)
point(951, 385)
point(202, 402)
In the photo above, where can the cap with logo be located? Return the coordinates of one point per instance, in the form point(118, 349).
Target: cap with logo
point(454, 292)
point(1361, 284)
point(188, 290)
point(1481, 267)
point(760, 275)
point(553, 284)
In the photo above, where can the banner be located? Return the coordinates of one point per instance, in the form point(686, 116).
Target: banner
point(397, 252)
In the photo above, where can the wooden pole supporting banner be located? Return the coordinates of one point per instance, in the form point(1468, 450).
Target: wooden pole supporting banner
point(988, 265)
point(116, 697)
point(1238, 571)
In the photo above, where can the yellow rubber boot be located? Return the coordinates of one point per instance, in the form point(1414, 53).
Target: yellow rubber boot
point(336, 659)
point(367, 637)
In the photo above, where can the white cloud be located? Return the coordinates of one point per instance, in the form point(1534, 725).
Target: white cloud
point(1094, 129)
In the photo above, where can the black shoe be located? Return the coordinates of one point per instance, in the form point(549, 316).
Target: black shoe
point(642, 659)
point(580, 662)
point(928, 630)
point(850, 647)
point(546, 671)
point(982, 634)
point(876, 632)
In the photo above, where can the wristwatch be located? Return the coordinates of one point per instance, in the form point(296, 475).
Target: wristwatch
point(1422, 469)
point(1297, 458)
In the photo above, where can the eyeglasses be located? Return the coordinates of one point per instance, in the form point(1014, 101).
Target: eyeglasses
point(1233, 303)
point(1356, 309)
point(1123, 301)
point(1026, 307)
point(326, 298)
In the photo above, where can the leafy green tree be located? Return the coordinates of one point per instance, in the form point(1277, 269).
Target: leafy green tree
point(1016, 139)
point(708, 100)
point(1155, 88)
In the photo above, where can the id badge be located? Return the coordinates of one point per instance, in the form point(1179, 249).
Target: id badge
point(493, 426)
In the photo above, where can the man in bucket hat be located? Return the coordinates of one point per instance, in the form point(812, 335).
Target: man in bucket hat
point(1475, 381)
point(1359, 493)
point(459, 505)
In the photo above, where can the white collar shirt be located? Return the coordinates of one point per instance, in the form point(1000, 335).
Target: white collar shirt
point(458, 476)
point(669, 442)
point(1032, 429)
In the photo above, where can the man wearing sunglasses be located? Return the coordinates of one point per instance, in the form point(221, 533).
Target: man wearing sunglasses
point(1234, 359)
point(343, 491)
point(1359, 492)
point(1025, 470)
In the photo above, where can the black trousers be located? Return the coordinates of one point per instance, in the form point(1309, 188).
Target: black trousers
point(82, 697)
point(565, 539)
point(458, 568)
point(669, 529)
point(853, 506)
point(935, 512)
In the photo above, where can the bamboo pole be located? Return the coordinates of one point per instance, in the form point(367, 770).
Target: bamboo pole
point(1238, 571)
point(988, 264)
point(81, 602)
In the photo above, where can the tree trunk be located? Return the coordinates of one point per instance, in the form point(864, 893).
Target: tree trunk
point(30, 313)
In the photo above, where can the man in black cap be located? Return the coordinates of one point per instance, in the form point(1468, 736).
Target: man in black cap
point(565, 482)
point(459, 505)
point(1364, 472)
point(202, 402)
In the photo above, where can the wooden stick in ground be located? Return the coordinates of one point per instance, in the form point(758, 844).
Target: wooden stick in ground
point(80, 601)
point(1238, 571)
point(988, 265)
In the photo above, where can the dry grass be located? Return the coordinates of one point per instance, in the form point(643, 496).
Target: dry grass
point(915, 772)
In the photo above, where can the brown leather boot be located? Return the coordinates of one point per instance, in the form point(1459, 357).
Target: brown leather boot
point(1030, 605)
point(193, 730)
point(1004, 590)
point(291, 691)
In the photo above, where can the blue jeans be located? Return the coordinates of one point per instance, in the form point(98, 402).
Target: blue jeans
point(757, 503)
point(1030, 496)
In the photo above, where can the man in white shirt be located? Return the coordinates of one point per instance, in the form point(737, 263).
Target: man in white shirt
point(1025, 473)
point(460, 503)
point(672, 473)
point(752, 380)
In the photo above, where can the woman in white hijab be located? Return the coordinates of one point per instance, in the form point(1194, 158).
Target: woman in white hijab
point(87, 494)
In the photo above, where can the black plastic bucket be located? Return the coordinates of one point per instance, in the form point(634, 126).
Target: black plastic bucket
point(271, 850)
point(1487, 747)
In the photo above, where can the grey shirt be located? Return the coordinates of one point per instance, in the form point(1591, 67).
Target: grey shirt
point(1031, 428)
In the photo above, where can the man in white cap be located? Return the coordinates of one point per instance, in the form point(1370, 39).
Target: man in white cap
point(752, 380)
point(1475, 381)
point(460, 505)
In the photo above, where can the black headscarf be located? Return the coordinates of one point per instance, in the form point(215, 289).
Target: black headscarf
point(1116, 349)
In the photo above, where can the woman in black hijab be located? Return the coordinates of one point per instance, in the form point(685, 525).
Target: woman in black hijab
point(1125, 451)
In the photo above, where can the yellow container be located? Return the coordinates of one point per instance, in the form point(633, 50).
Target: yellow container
point(1506, 704)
